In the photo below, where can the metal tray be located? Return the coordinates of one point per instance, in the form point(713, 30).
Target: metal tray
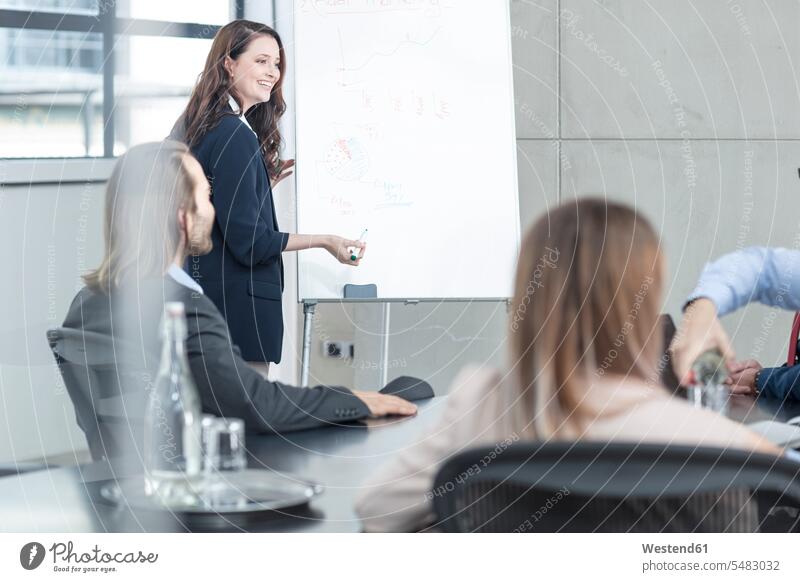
point(248, 491)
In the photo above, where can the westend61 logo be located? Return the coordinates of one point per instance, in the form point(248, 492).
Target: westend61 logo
point(66, 559)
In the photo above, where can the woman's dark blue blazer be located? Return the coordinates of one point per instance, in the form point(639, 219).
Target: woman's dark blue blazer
point(243, 274)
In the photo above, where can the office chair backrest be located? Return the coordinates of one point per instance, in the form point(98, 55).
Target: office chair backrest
point(613, 487)
point(95, 366)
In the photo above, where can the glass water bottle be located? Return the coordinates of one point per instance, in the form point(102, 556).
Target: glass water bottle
point(709, 390)
point(172, 446)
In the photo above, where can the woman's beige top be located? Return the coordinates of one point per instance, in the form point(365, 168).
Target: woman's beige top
point(483, 409)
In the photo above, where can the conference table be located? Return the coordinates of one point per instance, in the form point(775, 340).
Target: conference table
point(340, 458)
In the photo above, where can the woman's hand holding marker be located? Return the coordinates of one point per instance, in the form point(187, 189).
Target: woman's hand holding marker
point(353, 256)
point(345, 250)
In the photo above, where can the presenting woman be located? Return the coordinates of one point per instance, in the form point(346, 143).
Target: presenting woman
point(231, 126)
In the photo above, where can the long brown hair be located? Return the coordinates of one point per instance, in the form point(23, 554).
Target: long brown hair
point(587, 301)
point(148, 186)
point(209, 101)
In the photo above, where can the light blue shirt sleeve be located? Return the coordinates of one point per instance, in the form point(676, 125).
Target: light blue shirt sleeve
point(792, 455)
point(766, 275)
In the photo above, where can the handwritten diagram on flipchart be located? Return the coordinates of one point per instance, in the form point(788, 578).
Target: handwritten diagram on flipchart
point(405, 127)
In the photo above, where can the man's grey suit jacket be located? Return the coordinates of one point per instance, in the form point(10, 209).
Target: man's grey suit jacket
point(227, 385)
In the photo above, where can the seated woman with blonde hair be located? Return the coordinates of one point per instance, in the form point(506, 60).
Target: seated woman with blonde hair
point(585, 341)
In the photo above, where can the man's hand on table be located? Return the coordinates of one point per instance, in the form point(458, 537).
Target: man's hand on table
point(742, 379)
point(385, 404)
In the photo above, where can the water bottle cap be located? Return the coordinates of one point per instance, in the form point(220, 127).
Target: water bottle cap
point(235, 424)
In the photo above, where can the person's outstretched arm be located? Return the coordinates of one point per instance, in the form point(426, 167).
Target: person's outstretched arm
point(228, 386)
point(767, 275)
point(757, 274)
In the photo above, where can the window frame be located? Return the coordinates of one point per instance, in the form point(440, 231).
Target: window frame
point(109, 26)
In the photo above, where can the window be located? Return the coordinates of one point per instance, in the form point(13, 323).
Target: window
point(150, 98)
point(55, 6)
point(177, 10)
point(51, 101)
point(90, 78)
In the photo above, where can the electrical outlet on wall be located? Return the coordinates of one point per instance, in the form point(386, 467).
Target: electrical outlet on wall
point(338, 349)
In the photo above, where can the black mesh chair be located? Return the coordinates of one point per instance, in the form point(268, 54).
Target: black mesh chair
point(615, 487)
point(93, 366)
